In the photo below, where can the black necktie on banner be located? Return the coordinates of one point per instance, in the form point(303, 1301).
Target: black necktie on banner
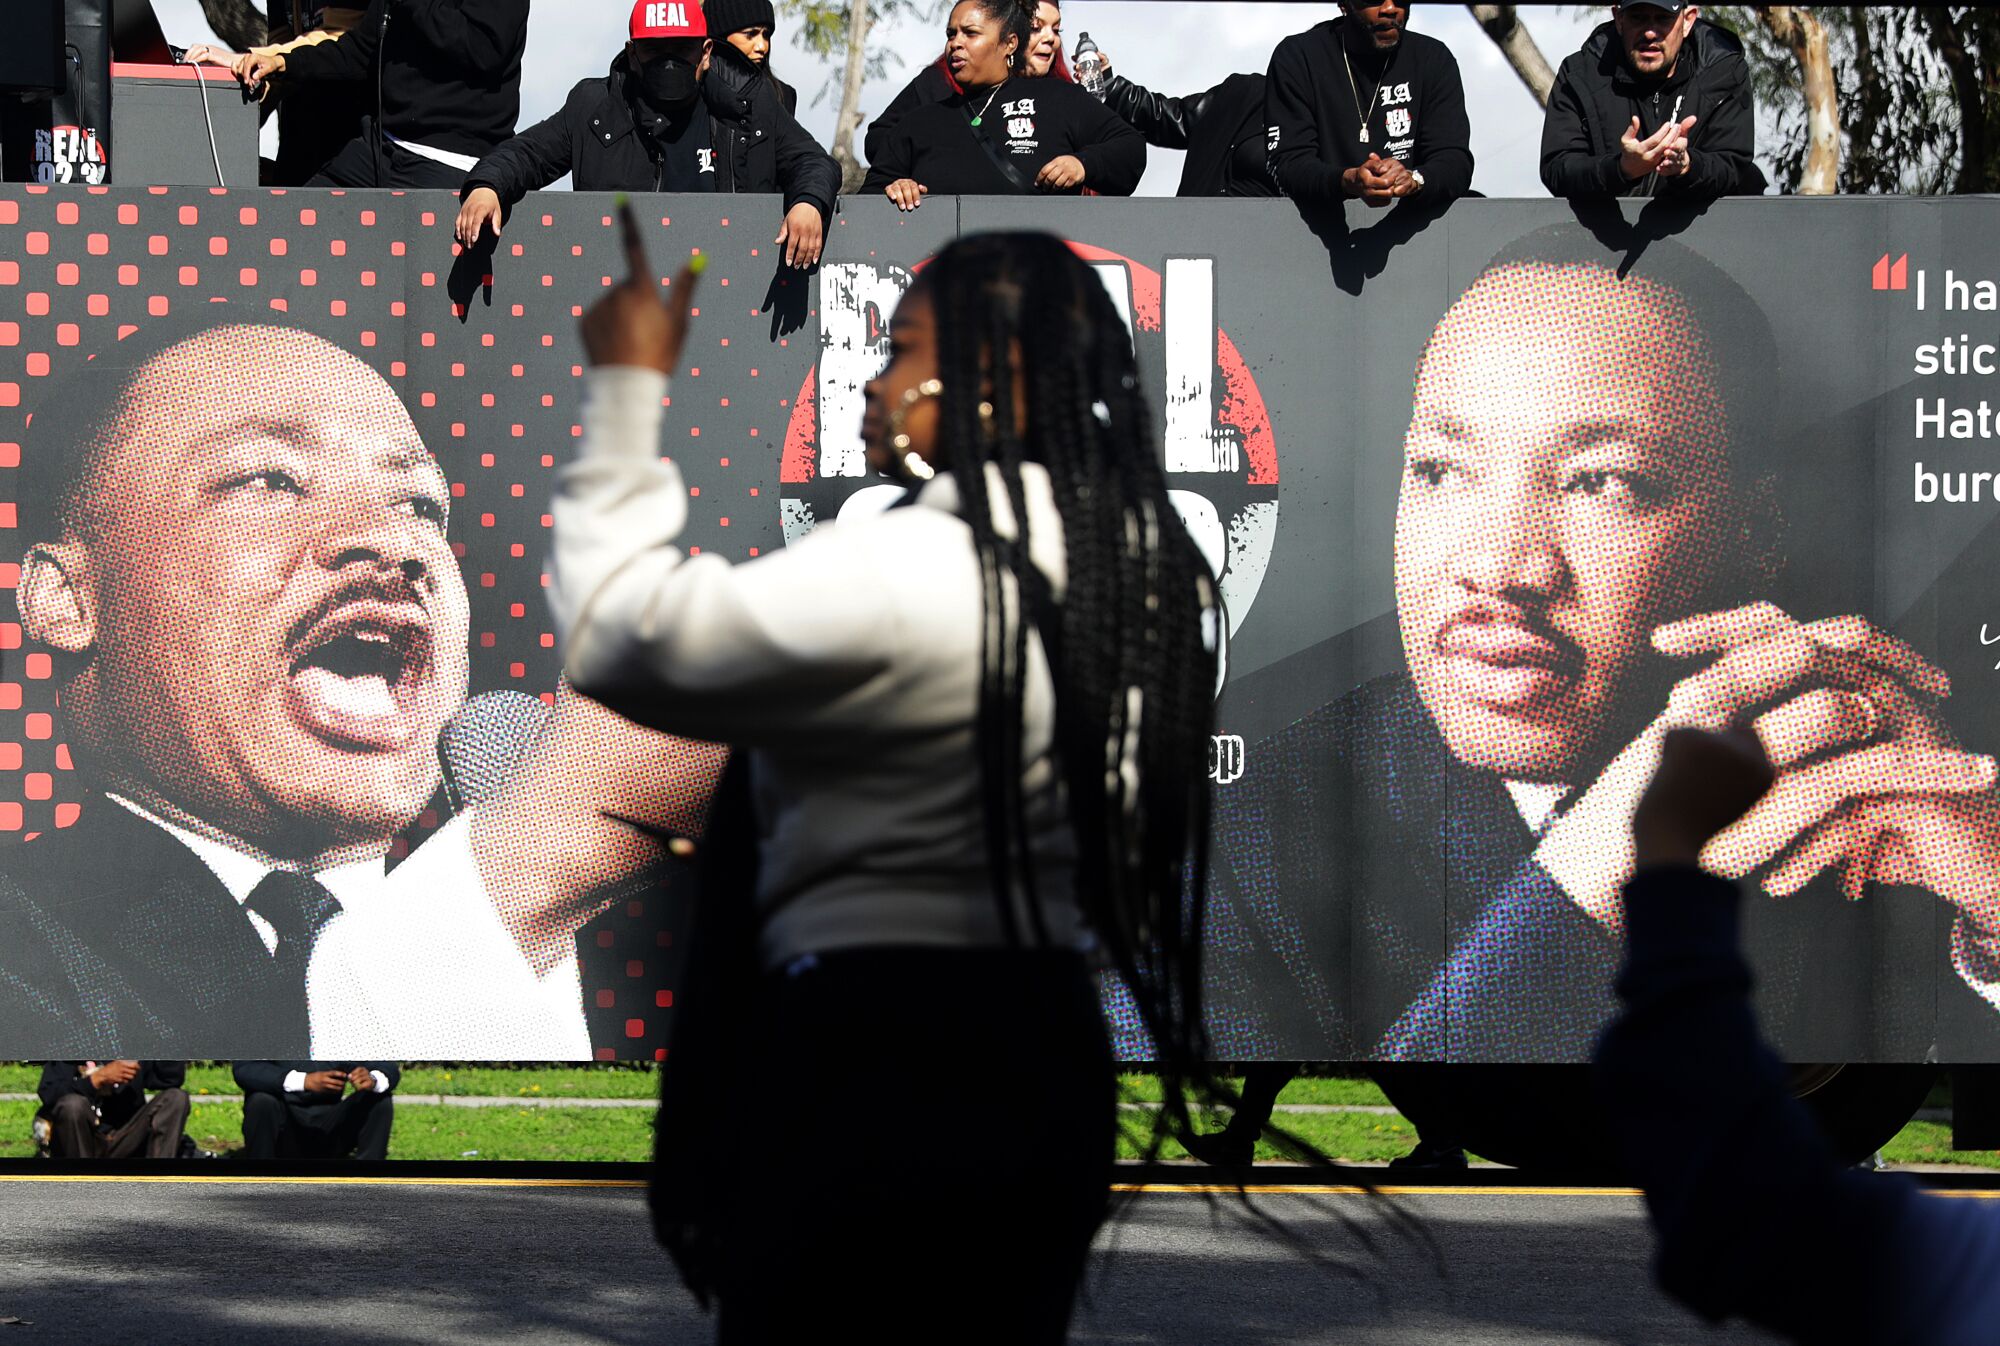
point(298, 907)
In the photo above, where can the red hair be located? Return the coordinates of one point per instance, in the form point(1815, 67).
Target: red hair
point(1058, 68)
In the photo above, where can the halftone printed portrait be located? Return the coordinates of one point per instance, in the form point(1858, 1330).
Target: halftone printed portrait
point(1598, 537)
point(277, 470)
point(275, 473)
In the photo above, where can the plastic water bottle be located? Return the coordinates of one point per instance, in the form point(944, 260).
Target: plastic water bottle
point(1088, 66)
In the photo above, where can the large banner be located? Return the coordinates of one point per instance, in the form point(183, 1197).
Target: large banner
point(1493, 499)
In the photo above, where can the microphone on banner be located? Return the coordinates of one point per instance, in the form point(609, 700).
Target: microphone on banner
point(486, 741)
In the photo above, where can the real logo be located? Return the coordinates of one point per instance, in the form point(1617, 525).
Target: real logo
point(1222, 451)
point(1225, 759)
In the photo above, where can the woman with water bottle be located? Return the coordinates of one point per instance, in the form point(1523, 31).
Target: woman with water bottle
point(1222, 129)
point(1003, 133)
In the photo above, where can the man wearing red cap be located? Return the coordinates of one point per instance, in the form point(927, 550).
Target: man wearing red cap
point(665, 119)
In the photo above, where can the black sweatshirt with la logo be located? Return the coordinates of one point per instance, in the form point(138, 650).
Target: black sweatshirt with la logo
point(1411, 97)
point(1024, 124)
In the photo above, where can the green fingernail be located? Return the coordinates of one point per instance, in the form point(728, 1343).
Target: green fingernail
point(698, 263)
point(621, 200)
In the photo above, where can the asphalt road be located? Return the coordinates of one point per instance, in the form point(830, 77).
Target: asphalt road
point(180, 1262)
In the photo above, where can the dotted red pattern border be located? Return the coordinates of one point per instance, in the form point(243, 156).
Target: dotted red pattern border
point(487, 361)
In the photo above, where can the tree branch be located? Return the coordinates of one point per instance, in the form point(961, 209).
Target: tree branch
point(1503, 24)
point(1949, 43)
point(1799, 29)
point(859, 20)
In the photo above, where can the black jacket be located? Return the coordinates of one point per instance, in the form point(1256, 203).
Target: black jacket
point(1028, 123)
point(725, 55)
point(63, 1078)
point(1312, 112)
point(927, 86)
point(1756, 1215)
point(1222, 130)
point(1596, 96)
point(450, 69)
point(117, 941)
point(268, 1077)
point(761, 148)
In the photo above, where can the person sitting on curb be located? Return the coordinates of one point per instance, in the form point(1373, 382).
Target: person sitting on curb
point(667, 118)
point(317, 1109)
point(100, 1109)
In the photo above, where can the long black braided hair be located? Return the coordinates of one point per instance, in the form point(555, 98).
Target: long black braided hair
point(1131, 644)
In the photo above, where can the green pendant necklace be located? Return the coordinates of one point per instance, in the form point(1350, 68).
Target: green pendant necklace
point(981, 115)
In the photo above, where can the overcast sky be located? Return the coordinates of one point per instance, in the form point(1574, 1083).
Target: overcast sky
point(1172, 46)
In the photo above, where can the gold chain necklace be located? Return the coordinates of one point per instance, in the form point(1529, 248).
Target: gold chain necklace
point(989, 102)
point(1355, 89)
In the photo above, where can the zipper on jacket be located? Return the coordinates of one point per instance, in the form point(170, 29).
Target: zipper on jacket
point(1652, 179)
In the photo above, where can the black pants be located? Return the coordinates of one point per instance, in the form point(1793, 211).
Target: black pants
point(357, 1126)
point(315, 122)
point(1263, 1081)
point(154, 1130)
point(355, 166)
point(929, 1154)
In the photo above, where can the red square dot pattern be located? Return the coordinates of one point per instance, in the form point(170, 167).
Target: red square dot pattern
point(492, 380)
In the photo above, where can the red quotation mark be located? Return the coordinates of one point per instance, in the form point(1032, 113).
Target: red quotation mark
point(1889, 275)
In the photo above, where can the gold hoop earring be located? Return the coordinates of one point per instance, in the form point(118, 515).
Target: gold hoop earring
point(913, 463)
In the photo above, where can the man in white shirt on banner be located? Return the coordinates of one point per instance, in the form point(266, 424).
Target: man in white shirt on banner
point(260, 631)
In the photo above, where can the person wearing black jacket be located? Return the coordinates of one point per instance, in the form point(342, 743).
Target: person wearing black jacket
point(1658, 102)
point(667, 118)
point(1222, 130)
point(1756, 1217)
point(932, 84)
point(1361, 107)
point(99, 1109)
point(1003, 135)
point(447, 76)
point(317, 1109)
point(747, 28)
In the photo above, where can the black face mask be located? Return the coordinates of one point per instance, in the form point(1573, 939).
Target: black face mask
point(666, 84)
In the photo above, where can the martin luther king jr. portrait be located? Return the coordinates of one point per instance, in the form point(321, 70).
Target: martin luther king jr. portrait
point(235, 553)
point(1598, 537)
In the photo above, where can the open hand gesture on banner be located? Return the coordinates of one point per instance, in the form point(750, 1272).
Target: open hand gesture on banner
point(633, 324)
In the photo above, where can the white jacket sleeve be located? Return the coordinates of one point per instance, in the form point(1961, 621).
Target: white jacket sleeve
point(694, 645)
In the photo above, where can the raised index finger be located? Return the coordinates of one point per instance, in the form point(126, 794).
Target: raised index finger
point(637, 268)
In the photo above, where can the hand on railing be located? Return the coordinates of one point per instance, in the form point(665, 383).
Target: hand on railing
point(481, 210)
point(907, 193)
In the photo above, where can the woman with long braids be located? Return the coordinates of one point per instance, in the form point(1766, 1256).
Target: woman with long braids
point(1003, 133)
point(976, 728)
